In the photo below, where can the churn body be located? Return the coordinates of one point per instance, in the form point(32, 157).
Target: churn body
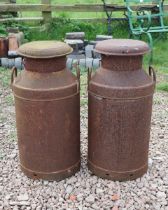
point(120, 107)
point(47, 112)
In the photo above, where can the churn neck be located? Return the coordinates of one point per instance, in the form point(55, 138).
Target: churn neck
point(45, 65)
point(122, 54)
point(122, 63)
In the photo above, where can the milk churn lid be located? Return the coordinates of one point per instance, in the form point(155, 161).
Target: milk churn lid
point(124, 47)
point(44, 49)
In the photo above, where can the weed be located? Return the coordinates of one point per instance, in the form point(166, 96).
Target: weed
point(2, 30)
point(4, 77)
point(60, 26)
point(163, 86)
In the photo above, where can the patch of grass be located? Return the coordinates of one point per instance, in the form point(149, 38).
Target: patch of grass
point(2, 30)
point(69, 2)
point(163, 86)
point(4, 77)
point(60, 26)
point(25, 28)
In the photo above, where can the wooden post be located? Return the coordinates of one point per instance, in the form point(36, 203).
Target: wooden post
point(47, 15)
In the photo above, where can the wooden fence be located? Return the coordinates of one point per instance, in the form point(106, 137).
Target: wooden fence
point(46, 8)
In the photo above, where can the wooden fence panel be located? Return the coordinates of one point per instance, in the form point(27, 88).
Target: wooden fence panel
point(46, 8)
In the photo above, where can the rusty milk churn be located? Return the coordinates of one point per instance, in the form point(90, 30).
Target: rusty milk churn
point(47, 103)
point(120, 106)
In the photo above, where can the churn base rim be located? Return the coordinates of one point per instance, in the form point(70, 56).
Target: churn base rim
point(117, 176)
point(53, 176)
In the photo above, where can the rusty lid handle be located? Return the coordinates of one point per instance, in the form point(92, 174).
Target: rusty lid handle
point(152, 73)
point(13, 74)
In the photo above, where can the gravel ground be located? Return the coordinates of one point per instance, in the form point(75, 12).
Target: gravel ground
point(83, 191)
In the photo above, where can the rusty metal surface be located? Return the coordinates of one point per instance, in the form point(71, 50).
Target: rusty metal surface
point(13, 43)
point(3, 47)
point(119, 118)
point(125, 47)
point(49, 65)
point(44, 49)
point(47, 106)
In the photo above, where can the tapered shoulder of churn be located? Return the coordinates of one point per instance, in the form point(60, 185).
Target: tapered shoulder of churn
point(44, 49)
point(122, 47)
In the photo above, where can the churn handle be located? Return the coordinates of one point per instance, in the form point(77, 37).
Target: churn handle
point(13, 75)
point(152, 73)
